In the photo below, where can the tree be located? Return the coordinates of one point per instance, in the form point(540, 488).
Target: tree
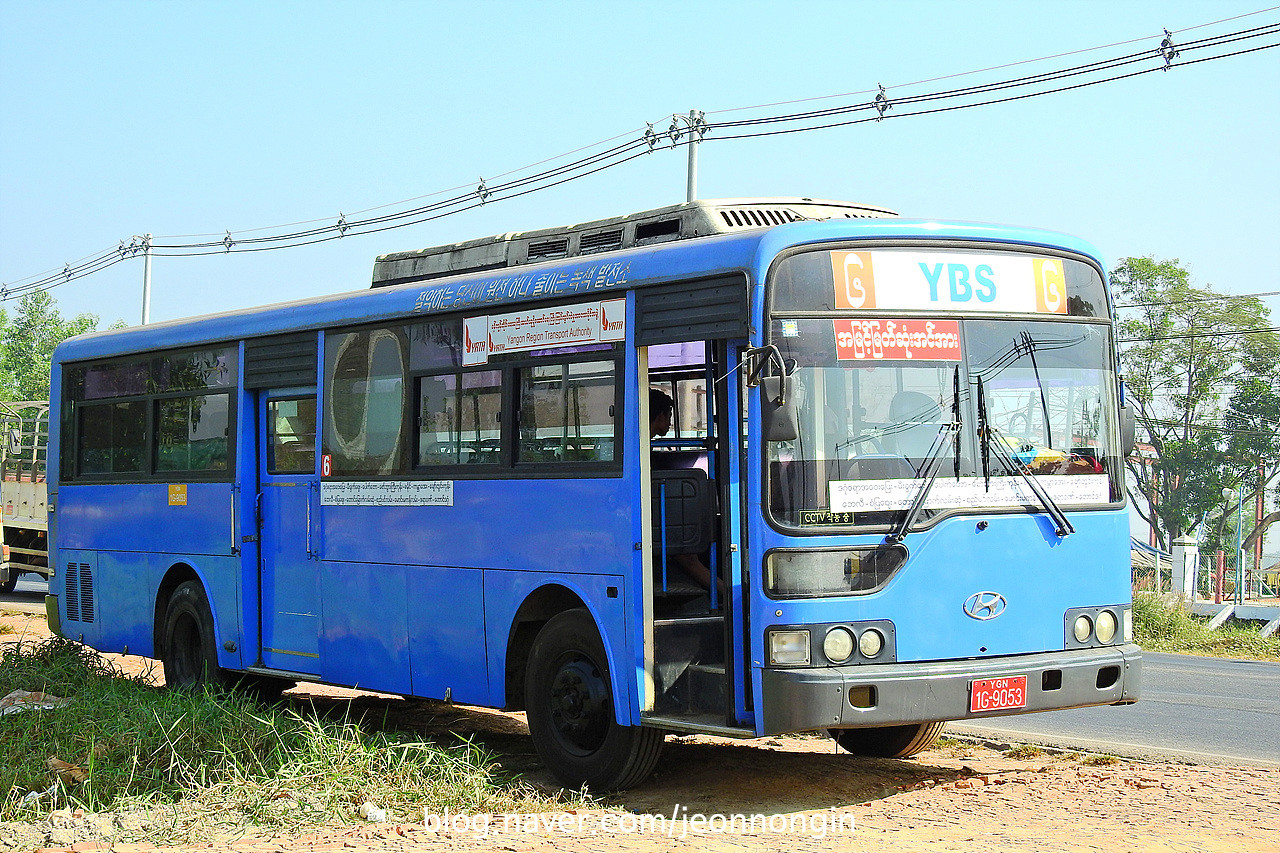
point(1204, 393)
point(27, 341)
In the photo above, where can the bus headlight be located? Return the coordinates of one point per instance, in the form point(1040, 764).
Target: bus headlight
point(1105, 628)
point(838, 644)
point(788, 648)
point(842, 571)
point(1101, 625)
point(871, 643)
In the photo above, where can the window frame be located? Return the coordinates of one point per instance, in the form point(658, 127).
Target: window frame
point(74, 406)
point(510, 365)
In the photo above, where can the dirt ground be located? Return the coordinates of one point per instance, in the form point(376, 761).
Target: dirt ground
point(784, 794)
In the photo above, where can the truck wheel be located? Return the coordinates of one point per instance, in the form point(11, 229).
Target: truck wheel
point(190, 650)
point(889, 741)
point(569, 697)
point(11, 580)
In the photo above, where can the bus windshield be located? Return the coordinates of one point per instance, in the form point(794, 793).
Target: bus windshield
point(876, 399)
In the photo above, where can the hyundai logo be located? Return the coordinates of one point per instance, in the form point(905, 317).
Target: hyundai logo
point(985, 605)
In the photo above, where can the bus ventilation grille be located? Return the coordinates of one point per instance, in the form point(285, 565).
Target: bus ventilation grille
point(79, 592)
point(601, 241)
point(757, 217)
point(548, 249)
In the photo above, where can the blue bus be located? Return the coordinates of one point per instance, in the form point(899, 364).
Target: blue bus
point(741, 467)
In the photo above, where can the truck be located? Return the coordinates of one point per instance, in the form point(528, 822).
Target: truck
point(24, 491)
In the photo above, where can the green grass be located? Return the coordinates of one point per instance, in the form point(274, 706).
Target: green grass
point(1164, 628)
point(1025, 752)
point(223, 759)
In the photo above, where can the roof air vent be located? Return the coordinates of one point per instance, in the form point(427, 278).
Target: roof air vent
point(655, 230)
point(547, 249)
point(601, 241)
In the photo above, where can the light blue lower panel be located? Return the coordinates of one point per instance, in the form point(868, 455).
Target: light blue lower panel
point(446, 633)
point(365, 638)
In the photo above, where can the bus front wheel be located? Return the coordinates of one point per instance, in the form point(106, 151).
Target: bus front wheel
point(190, 652)
point(889, 741)
point(569, 698)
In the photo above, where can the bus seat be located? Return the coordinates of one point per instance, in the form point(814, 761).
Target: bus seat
point(679, 459)
point(689, 510)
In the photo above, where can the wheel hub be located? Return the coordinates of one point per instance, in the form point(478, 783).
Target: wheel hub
point(580, 705)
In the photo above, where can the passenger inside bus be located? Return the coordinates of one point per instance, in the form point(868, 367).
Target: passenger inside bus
point(683, 567)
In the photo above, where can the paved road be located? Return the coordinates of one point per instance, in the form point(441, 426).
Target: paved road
point(1204, 709)
point(28, 596)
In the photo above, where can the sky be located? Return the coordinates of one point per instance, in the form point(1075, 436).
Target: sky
point(179, 118)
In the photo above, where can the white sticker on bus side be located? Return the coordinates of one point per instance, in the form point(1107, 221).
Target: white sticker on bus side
point(968, 492)
point(387, 493)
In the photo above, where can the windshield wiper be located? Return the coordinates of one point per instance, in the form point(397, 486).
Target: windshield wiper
point(984, 442)
point(1012, 465)
point(955, 417)
point(947, 437)
point(1029, 343)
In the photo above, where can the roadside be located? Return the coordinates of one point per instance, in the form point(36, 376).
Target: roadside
point(957, 797)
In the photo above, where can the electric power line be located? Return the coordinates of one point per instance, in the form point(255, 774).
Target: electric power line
point(619, 153)
point(1216, 297)
point(1179, 336)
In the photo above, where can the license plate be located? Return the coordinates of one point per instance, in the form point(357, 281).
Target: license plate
point(996, 694)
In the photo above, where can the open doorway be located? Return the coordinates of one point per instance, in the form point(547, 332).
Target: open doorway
point(692, 581)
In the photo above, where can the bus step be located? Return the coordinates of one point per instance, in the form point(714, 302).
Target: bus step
point(700, 690)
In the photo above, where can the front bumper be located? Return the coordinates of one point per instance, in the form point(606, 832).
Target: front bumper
point(819, 697)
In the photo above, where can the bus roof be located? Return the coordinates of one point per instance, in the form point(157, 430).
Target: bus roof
point(746, 252)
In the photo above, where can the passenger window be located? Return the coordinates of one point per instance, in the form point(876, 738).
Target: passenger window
point(191, 433)
point(459, 418)
point(113, 438)
point(365, 379)
point(567, 412)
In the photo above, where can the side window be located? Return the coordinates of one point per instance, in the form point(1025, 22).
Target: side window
point(567, 412)
point(191, 433)
point(149, 417)
point(459, 416)
point(291, 436)
point(113, 438)
point(365, 375)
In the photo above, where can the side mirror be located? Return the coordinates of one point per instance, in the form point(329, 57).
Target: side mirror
point(1128, 423)
point(1128, 431)
point(778, 409)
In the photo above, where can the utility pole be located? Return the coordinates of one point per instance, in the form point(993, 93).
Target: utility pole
point(696, 128)
point(146, 279)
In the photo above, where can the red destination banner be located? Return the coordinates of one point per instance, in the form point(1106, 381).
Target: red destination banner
point(898, 340)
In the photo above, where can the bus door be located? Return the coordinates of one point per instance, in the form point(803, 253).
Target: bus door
point(692, 551)
point(288, 501)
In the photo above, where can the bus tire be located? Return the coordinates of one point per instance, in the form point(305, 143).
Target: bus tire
point(190, 649)
point(569, 702)
point(889, 741)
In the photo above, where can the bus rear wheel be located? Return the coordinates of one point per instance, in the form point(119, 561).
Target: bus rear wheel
point(190, 653)
point(889, 741)
point(569, 698)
